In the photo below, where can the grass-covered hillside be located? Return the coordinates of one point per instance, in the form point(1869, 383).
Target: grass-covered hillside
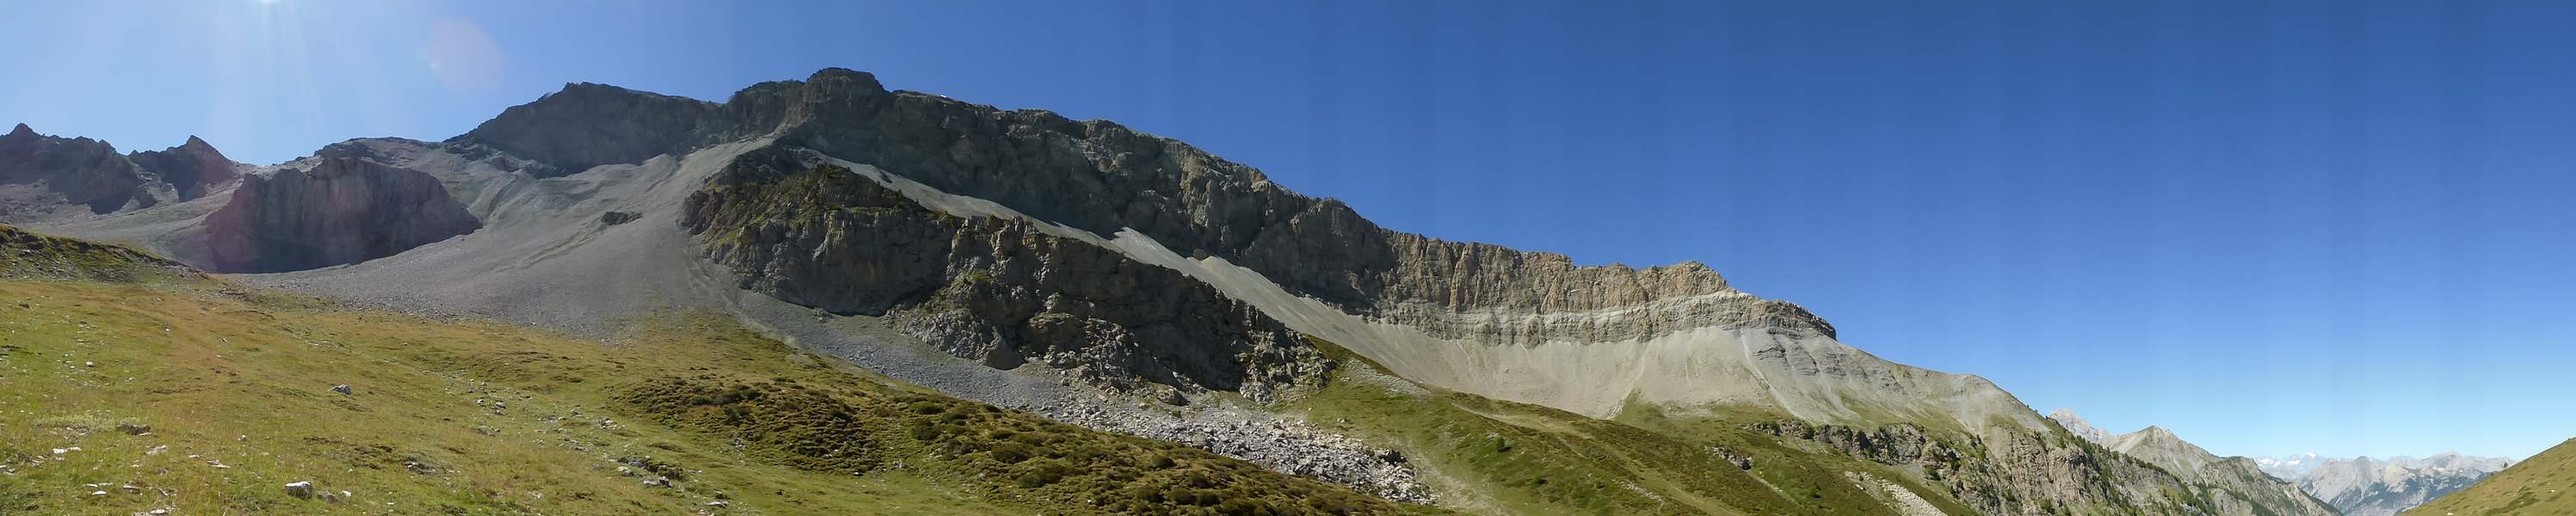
point(25, 255)
point(1498, 457)
point(2544, 484)
point(196, 397)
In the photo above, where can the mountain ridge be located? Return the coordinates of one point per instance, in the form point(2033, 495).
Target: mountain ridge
point(582, 203)
point(2364, 486)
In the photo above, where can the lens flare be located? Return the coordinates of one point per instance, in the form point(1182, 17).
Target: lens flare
point(462, 56)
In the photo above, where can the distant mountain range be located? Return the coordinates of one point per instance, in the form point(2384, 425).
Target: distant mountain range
point(2359, 486)
point(2363, 486)
point(2233, 484)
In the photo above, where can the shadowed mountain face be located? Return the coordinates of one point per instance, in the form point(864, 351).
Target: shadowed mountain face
point(1079, 267)
point(192, 168)
point(42, 176)
point(995, 290)
point(39, 173)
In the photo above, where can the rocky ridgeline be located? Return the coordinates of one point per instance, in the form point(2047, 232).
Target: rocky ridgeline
point(80, 171)
point(89, 174)
point(2372, 487)
point(192, 169)
point(994, 290)
point(338, 211)
point(1101, 177)
point(2015, 473)
point(1283, 445)
point(2233, 486)
point(588, 125)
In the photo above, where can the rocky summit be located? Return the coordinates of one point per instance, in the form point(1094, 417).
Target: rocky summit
point(1129, 288)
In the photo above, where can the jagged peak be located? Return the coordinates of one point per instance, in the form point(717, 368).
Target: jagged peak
point(197, 146)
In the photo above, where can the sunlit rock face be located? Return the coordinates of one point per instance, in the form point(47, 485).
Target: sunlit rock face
point(339, 211)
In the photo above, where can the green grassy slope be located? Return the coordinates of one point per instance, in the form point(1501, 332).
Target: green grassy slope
point(2541, 485)
point(1498, 457)
point(29, 255)
point(464, 417)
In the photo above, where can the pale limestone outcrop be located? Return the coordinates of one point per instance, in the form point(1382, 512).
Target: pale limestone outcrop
point(338, 211)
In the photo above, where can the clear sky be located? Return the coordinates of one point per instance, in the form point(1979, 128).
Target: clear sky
point(2275, 228)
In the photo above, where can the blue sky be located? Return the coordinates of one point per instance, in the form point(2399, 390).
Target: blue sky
point(2275, 228)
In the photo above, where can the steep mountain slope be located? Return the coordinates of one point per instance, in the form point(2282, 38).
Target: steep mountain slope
point(1078, 268)
point(2368, 487)
point(2542, 484)
point(199, 397)
point(2235, 485)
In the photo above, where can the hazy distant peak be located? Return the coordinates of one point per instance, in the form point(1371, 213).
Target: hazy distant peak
point(2077, 425)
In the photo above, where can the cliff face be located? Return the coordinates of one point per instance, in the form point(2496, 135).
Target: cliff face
point(994, 290)
point(338, 211)
point(84, 172)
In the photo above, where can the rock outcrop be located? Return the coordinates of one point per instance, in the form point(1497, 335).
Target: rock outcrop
point(338, 211)
point(991, 289)
point(1285, 445)
point(2021, 473)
